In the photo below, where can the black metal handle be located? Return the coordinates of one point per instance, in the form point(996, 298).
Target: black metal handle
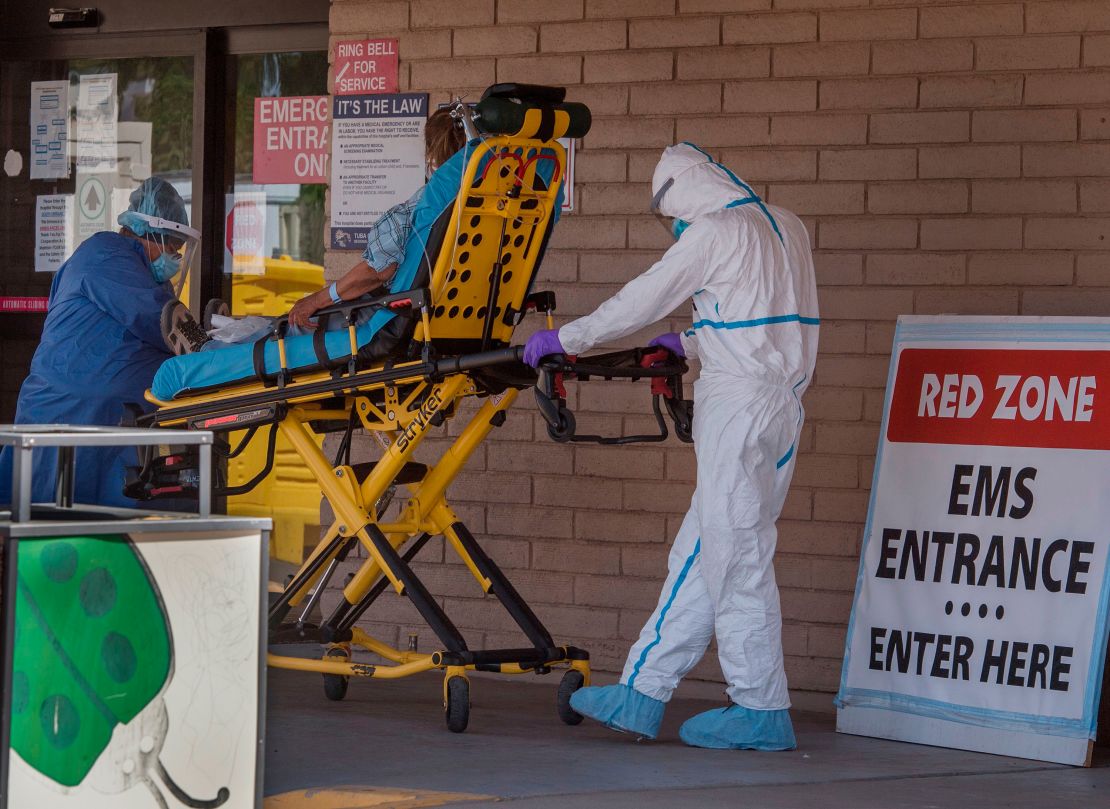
point(633, 365)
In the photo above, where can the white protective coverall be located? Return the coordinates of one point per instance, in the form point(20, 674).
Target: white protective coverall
point(749, 268)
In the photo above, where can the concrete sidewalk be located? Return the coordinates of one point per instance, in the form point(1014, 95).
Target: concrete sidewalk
point(388, 745)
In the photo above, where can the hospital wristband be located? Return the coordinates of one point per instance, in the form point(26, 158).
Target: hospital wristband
point(333, 292)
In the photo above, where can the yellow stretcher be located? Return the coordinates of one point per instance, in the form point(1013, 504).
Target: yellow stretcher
point(461, 317)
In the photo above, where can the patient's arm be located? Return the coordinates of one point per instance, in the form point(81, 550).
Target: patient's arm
point(358, 280)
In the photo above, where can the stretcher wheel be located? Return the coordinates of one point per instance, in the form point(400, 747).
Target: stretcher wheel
point(457, 712)
point(562, 431)
point(335, 685)
point(570, 683)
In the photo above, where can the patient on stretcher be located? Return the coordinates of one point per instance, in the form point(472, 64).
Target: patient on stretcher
point(379, 332)
point(385, 251)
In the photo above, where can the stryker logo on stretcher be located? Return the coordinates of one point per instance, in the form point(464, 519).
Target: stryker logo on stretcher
point(1001, 397)
point(421, 421)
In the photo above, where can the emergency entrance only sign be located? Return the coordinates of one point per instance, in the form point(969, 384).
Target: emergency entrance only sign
point(980, 613)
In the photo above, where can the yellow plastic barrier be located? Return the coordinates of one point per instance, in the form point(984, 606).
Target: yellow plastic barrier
point(289, 495)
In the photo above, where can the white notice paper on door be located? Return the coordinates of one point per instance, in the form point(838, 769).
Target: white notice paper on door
point(49, 130)
point(53, 230)
point(97, 124)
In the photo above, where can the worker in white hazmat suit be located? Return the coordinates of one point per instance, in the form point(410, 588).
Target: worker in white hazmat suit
point(749, 269)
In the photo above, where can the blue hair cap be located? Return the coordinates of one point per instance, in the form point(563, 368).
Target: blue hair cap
point(154, 197)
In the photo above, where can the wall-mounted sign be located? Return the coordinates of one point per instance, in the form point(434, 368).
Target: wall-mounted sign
point(365, 66)
point(980, 615)
point(377, 160)
point(291, 139)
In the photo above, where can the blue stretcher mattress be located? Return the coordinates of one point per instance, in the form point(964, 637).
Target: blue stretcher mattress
point(235, 364)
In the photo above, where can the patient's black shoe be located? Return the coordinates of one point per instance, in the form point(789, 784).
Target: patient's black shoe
point(180, 330)
point(216, 306)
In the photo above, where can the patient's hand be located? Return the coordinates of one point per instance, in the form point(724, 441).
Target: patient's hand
point(302, 310)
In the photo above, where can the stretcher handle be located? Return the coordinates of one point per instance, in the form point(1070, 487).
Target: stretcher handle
point(663, 367)
point(482, 359)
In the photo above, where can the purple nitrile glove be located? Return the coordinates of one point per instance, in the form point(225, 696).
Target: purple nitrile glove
point(670, 341)
point(542, 344)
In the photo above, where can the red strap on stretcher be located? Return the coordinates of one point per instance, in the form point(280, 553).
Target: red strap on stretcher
point(660, 385)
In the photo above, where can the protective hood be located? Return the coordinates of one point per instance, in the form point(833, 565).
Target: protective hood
point(700, 186)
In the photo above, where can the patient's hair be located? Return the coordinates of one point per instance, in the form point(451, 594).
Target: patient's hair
point(442, 137)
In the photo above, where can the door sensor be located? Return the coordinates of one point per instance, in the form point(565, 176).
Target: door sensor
point(74, 18)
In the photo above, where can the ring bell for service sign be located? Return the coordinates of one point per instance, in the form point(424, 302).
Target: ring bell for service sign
point(980, 614)
point(365, 66)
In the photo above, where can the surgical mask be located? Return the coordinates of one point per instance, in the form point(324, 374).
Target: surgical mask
point(165, 267)
point(179, 245)
point(678, 227)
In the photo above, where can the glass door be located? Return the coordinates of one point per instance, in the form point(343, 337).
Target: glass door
point(84, 132)
point(274, 226)
point(274, 209)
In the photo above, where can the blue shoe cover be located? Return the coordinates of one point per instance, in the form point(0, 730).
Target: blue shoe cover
point(737, 728)
point(620, 708)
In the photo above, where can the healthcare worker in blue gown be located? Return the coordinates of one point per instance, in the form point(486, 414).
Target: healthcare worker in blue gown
point(748, 268)
point(102, 341)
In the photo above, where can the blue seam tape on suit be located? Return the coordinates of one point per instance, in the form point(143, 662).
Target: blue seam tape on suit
point(747, 324)
point(663, 612)
point(752, 199)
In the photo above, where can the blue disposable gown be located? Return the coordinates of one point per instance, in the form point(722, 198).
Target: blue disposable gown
point(101, 345)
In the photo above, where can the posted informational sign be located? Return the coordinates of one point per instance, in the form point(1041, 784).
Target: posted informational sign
point(291, 139)
point(980, 615)
point(53, 231)
point(23, 305)
point(377, 160)
point(93, 204)
point(49, 130)
point(97, 124)
point(245, 233)
point(365, 66)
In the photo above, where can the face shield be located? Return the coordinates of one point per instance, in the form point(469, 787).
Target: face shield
point(179, 243)
point(657, 203)
point(673, 226)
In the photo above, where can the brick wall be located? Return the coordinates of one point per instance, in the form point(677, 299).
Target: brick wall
point(945, 157)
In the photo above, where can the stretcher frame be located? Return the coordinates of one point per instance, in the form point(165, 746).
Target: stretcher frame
point(402, 401)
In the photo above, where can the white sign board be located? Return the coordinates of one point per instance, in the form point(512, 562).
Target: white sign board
point(53, 230)
point(980, 615)
point(97, 124)
point(377, 160)
point(49, 130)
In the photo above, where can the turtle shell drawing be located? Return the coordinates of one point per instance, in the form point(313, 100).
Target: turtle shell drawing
point(92, 658)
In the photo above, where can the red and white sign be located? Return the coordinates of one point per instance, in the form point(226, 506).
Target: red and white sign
point(291, 139)
point(23, 304)
point(365, 67)
point(981, 607)
point(245, 233)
